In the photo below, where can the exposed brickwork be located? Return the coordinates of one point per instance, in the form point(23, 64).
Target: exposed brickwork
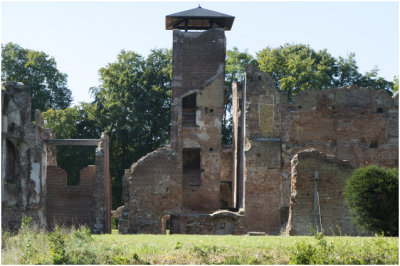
point(70, 205)
point(253, 176)
point(152, 188)
point(102, 188)
point(261, 161)
point(332, 175)
point(33, 186)
point(87, 204)
point(199, 61)
point(226, 178)
point(217, 223)
point(198, 75)
point(352, 123)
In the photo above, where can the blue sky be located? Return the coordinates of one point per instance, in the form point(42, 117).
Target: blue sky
point(85, 36)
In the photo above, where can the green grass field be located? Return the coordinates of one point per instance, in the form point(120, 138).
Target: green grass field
point(79, 247)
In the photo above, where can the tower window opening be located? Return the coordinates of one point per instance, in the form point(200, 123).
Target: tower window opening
point(191, 167)
point(189, 110)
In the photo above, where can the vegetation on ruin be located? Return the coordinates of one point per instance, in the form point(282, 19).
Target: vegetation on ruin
point(372, 194)
point(132, 103)
point(78, 246)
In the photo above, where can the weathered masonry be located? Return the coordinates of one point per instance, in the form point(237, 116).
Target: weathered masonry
point(33, 185)
point(283, 152)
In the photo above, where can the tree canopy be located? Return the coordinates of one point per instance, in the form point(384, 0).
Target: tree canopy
point(297, 67)
point(38, 71)
point(77, 122)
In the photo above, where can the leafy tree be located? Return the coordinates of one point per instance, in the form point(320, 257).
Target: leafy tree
point(372, 194)
point(296, 67)
point(39, 73)
point(78, 122)
point(133, 107)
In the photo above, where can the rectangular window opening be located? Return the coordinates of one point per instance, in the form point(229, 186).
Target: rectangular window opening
point(189, 110)
point(191, 167)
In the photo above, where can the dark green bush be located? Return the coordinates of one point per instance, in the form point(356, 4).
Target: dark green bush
point(373, 198)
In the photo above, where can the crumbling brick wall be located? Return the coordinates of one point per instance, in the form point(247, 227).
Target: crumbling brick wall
point(70, 205)
point(226, 176)
point(332, 174)
point(260, 153)
point(102, 188)
point(152, 188)
point(355, 124)
point(88, 203)
point(217, 223)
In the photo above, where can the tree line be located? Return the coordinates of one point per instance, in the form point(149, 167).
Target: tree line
point(132, 102)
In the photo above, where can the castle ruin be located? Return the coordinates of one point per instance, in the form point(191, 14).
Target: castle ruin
point(284, 171)
point(282, 155)
point(32, 185)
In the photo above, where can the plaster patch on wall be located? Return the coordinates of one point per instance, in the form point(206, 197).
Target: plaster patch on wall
point(203, 135)
point(35, 177)
point(14, 114)
point(217, 123)
point(266, 112)
point(4, 125)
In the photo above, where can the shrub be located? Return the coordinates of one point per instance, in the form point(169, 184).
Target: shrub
point(373, 198)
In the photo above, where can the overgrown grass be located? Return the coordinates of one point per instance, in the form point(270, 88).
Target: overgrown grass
point(78, 246)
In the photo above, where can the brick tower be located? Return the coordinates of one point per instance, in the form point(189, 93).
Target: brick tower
point(198, 103)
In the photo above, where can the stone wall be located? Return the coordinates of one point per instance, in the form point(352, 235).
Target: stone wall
point(332, 174)
point(24, 158)
point(70, 205)
point(152, 188)
point(217, 223)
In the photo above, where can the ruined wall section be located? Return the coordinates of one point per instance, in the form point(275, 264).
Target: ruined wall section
point(88, 203)
point(198, 69)
point(355, 124)
point(24, 158)
point(70, 205)
point(261, 152)
point(217, 223)
point(236, 131)
point(226, 177)
point(198, 59)
point(332, 175)
point(102, 188)
point(152, 188)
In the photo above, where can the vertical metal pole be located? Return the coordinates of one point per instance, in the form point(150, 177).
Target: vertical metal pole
point(316, 201)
